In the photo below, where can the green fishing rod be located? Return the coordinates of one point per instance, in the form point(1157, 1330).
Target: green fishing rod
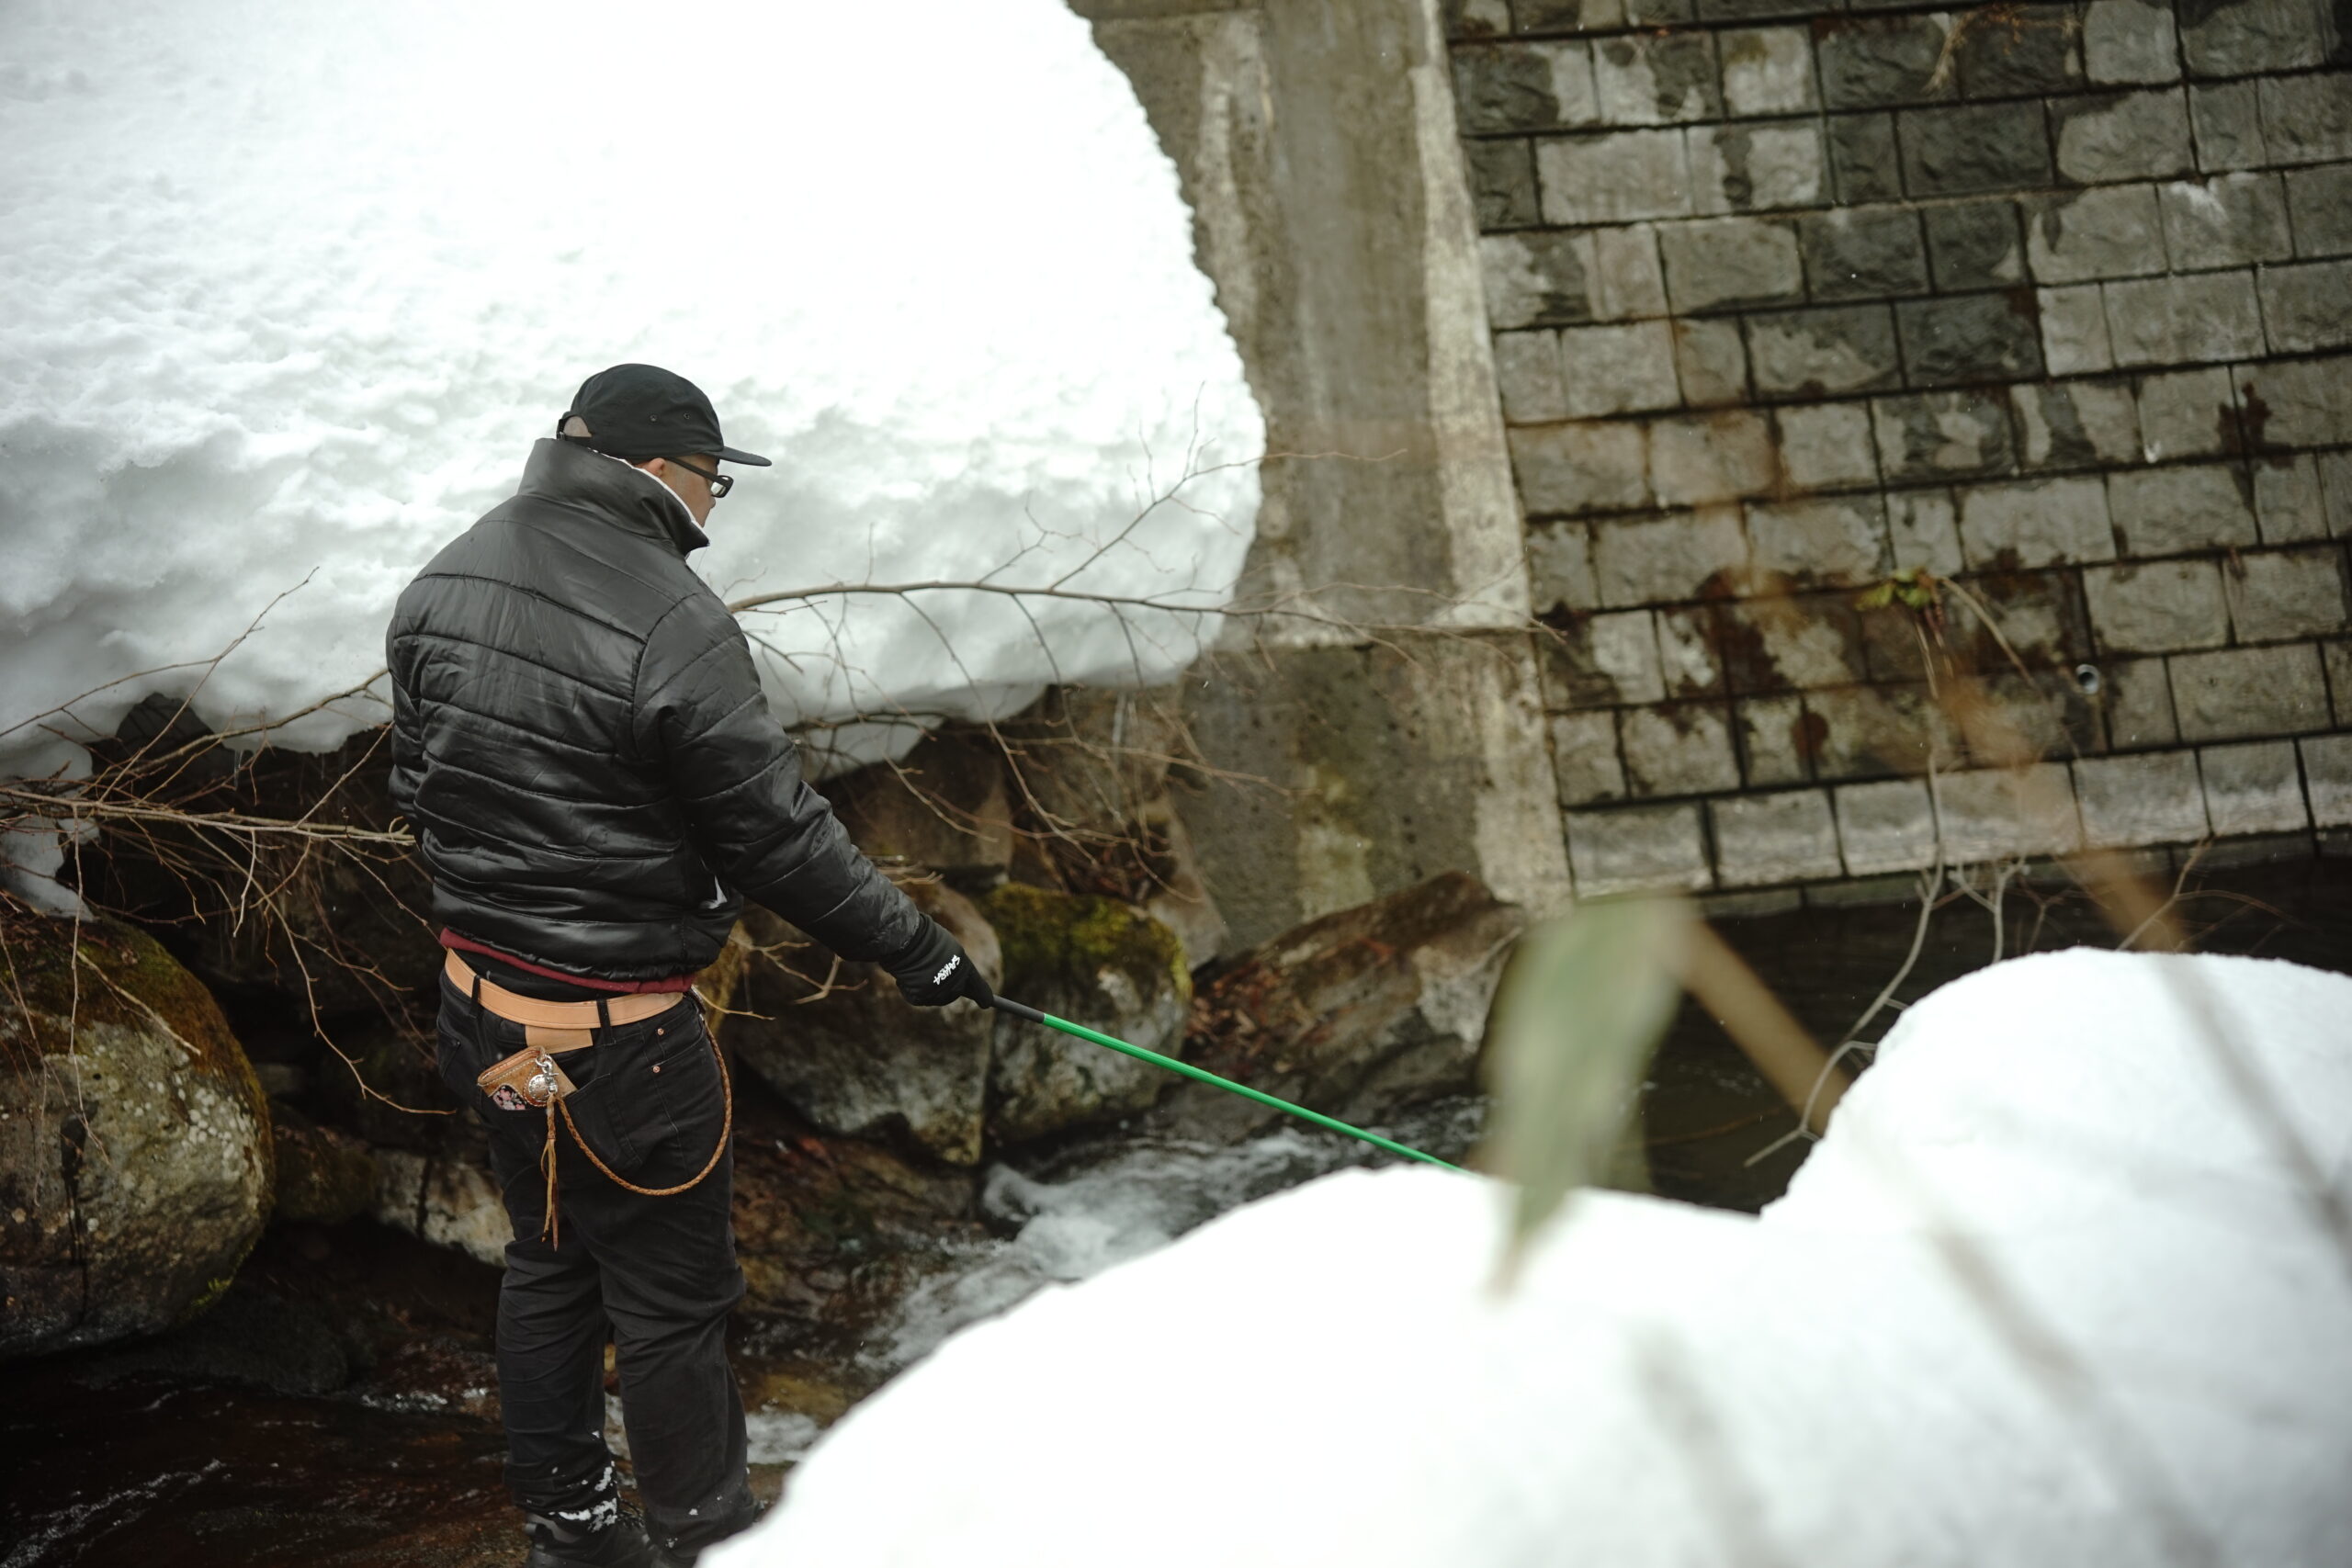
point(1198, 1075)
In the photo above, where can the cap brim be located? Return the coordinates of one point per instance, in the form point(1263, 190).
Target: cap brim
point(750, 459)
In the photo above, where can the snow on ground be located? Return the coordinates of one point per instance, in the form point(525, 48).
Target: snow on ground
point(2046, 1293)
point(288, 289)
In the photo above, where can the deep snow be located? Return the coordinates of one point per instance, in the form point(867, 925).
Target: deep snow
point(2044, 1294)
point(287, 289)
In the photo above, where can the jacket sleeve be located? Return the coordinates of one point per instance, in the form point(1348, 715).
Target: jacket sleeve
point(699, 711)
point(408, 733)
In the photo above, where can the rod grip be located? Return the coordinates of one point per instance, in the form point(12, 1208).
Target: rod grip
point(1018, 1009)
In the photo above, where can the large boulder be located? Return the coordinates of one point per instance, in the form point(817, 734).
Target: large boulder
point(1092, 961)
point(1358, 1015)
point(449, 1198)
point(943, 805)
point(846, 1051)
point(325, 1177)
point(135, 1149)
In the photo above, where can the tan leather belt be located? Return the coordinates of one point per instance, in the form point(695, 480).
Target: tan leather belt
point(559, 1026)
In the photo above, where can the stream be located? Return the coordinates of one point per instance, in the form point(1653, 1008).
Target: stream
point(339, 1405)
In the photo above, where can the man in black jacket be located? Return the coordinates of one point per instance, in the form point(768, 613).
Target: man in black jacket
point(596, 784)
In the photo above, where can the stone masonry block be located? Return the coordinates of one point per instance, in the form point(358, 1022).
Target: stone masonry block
point(1887, 824)
point(1527, 372)
point(1618, 369)
point(2319, 202)
point(2254, 788)
point(1669, 559)
point(1930, 436)
point(1864, 254)
point(2037, 523)
point(2338, 657)
point(1703, 458)
point(2157, 606)
point(1976, 150)
point(1765, 839)
point(1524, 86)
point(1686, 652)
point(1571, 469)
point(1783, 640)
point(2250, 36)
point(1584, 758)
point(2040, 613)
point(1476, 19)
point(1821, 543)
point(1974, 244)
point(1615, 179)
point(2176, 321)
point(1751, 166)
point(2307, 119)
point(1602, 661)
point(1885, 63)
point(2131, 136)
point(2128, 41)
point(1717, 262)
point(2113, 231)
point(1537, 279)
point(1748, 10)
point(2152, 798)
point(1626, 280)
point(1559, 567)
point(2276, 594)
point(1924, 529)
point(1996, 812)
point(1815, 352)
point(2288, 503)
point(2031, 49)
point(1658, 78)
point(2138, 696)
point(2186, 413)
point(1678, 749)
point(1827, 446)
point(2073, 330)
point(2227, 220)
point(2308, 306)
point(1862, 161)
point(1767, 71)
point(2327, 777)
point(2226, 121)
point(2162, 511)
point(1638, 848)
point(2335, 492)
point(1711, 360)
point(2077, 425)
point(1502, 183)
point(1970, 338)
point(2303, 402)
point(1570, 16)
point(1774, 740)
point(1861, 732)
point(2236, 692)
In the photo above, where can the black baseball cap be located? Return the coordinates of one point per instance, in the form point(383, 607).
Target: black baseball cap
point(643, 411)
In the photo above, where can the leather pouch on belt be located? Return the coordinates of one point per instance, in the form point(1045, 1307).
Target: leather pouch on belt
point(528, 1080)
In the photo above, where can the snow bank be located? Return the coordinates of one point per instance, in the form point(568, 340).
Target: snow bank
point(2045, 1294)
point(287, 289)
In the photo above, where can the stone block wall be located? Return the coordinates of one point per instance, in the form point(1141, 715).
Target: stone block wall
point(2053, 301)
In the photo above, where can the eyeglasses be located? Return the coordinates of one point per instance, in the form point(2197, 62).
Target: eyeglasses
point(719, 483)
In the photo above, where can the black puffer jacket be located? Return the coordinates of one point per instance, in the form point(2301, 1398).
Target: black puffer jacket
point(581, 743)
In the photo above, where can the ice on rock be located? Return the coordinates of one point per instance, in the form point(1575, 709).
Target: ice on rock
point(2056, 1288)
point(288, 289)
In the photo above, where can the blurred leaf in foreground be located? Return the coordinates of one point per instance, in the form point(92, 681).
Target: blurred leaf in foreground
point(1584, 1001)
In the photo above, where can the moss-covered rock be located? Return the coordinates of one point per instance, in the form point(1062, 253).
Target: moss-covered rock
point(1093, 961)
point(136, 1165)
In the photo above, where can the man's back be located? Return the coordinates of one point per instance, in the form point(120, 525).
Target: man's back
point(582, 748)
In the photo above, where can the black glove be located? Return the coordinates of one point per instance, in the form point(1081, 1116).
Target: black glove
point(934, 970)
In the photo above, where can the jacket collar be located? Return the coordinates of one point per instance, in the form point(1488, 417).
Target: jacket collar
point(567, 472)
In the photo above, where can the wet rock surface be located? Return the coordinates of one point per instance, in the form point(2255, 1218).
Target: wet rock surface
point(135, 1151)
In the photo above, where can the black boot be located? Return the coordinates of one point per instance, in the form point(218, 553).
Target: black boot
point(620, 1544)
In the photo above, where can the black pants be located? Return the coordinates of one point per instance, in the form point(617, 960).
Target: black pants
point(658, 1275)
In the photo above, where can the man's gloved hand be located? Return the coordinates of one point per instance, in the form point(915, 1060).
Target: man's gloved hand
point(934, 970)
